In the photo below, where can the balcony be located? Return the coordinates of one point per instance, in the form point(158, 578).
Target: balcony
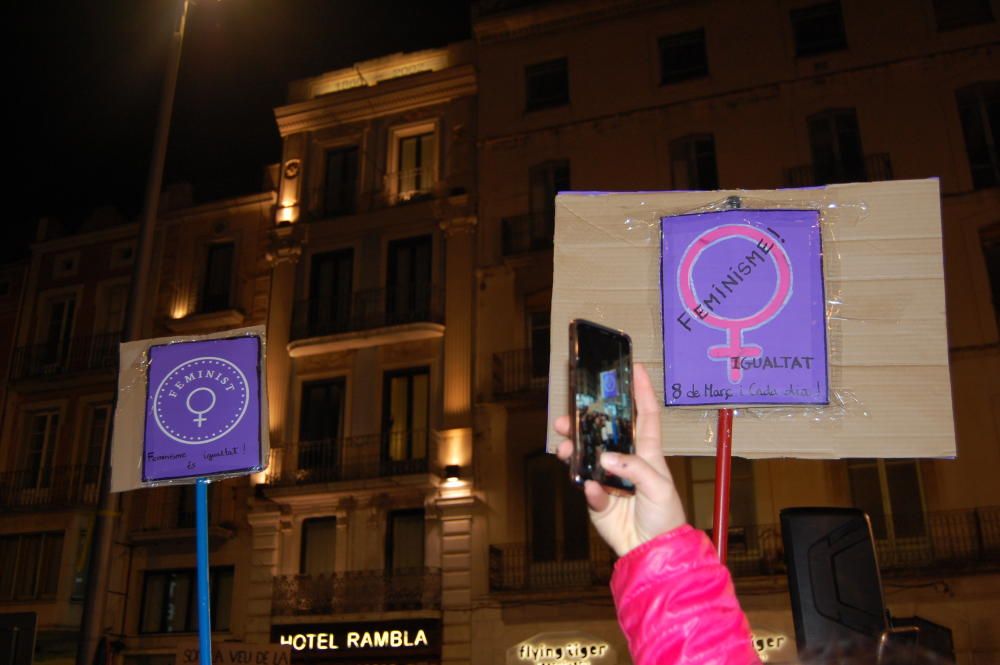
point(953, 542)
point(527, 233)
point(367, 310)
point(352, 458)
point(874, 168)
point(77, 355)
point(357, 591)
point(515, 374)
point(515, 567)
point(410, 185)
point(52, 487)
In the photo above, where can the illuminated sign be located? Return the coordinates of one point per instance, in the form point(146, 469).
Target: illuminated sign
point(770, 645)
point(562, 649)
point(350, 641)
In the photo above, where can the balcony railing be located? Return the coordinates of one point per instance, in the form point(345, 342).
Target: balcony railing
point(527, 233)
point(357, 591)
point(50, 487)
point(874, 168)
point(353, 458)
point(374, 308)
point(514, 373)
point(410, 184)
point(952, 541)
point(521, 567)
point(80, 354)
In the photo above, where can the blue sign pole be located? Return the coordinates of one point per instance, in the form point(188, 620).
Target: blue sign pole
point(204, 608)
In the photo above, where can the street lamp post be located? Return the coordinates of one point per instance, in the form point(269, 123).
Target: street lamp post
point(109, 509)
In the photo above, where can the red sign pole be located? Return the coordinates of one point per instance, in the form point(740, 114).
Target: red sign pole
point(723, 481)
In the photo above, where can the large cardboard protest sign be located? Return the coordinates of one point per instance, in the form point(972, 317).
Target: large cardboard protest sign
point(884, 356)
point(743, 308)
point(190, 407)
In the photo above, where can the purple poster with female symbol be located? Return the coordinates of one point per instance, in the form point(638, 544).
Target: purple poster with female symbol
point(744, 309)
point(202, 409)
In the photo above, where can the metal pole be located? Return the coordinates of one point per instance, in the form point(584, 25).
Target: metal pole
point(204, 598)
point(109, 509)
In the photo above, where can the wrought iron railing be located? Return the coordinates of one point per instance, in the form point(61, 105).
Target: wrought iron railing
point(527, 233)
point(79, 354)
point(353, 458)
point(50, 487)
point(374, 308)
point(873, 168)
point(357, 591)
point(523, 567)
point(514, 373)
point(952, 541)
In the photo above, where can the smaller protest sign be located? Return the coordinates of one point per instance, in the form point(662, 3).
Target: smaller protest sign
point(743, 308)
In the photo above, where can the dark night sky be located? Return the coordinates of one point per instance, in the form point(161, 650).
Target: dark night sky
point(85, 80)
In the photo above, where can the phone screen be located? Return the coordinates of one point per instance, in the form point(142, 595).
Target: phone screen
point(603, 399)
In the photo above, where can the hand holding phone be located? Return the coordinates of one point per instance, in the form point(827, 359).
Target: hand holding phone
point(603, 402)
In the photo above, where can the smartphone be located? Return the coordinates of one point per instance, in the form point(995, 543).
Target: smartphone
point(603, 404)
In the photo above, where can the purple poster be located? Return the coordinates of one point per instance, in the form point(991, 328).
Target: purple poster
point(744, 310)
point(202, 409)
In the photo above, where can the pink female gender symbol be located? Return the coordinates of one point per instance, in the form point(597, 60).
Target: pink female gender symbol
point(734, 347)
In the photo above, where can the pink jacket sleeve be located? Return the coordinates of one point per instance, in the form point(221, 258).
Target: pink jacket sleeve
point(676, 603)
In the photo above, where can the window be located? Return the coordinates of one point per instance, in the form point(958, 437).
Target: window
point(538, 340)
point(340, 181)
point(990, 239)
point(534, 231)
point(405, 416)
point(66, 265)
point(683, 57)
point(546, 85)
point(169, 600)
point(404, 540)
point(110, 319)
point(331, 276)
point(742, 504)
point(408, 282)
point(187, 507)
point(692, 161)
point(320, 426)
point(889, 491)
point(836, 147)
point(29, 565)
point(218, 279)
point(41, 434)
point(818, 29)
point(122, 254)
point(955, 14)
point(416, 164)
point(558, 525)
point(319, 537)
point(979, 111)
point(58, 317)
point(97, 434)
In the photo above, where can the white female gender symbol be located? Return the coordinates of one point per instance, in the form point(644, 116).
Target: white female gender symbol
point(200, 415)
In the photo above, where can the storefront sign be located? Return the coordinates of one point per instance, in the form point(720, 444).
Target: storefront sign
point(744, 308)
point(773, 647)
point(235, 653)
point(350, 641)
point(562, 649)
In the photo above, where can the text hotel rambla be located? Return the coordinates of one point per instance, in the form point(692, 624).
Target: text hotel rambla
point(369, 639)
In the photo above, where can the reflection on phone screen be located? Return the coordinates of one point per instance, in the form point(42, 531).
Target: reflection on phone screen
point(603, 397)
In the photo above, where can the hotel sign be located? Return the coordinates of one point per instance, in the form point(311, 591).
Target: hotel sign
point(403, 639)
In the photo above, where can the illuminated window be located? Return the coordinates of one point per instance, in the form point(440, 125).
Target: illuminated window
point(979, 111)
point(169, 600)
point(683, 57)
point(890, 492)
point(405, 416)
point(692, 161)
point(955, 14)
point(340, 181)
point(319, 538)
point(217, 282)
point(29, 565)
point(413, 162)
point(818, 29)
point(546, 85)
point(835, 141)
